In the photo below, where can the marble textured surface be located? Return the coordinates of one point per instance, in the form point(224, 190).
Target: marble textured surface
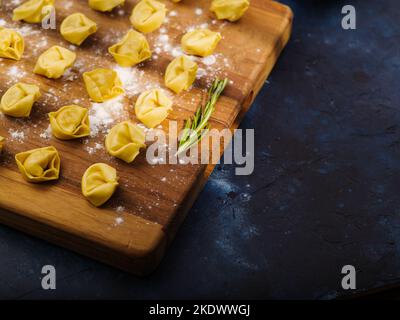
point(324, 192)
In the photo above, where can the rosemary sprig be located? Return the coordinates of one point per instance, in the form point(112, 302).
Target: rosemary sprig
point(195, 129)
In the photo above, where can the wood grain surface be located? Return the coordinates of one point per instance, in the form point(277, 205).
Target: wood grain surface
point(152, 200)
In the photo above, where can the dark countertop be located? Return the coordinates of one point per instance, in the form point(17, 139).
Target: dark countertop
point(325, 191)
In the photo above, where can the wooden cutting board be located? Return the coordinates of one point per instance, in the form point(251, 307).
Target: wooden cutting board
point(133, 230)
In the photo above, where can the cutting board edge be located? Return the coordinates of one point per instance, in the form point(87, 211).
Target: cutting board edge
point(137, 245)
point(128, 260)
point(246, 105)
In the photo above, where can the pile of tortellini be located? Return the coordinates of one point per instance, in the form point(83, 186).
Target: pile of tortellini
point(152, 107)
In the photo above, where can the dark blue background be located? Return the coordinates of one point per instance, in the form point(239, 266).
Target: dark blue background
point(325, 191)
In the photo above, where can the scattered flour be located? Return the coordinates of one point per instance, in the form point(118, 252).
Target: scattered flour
point(69, 75)
point(15, 2)
point(27, 31)
point(46, 134)
point(67, 5)
point(16, 135)
point(201, 73)
point(102, 115)
point(209, 60)
point(40, 46)
point(163, 44)
point(16, 73)
point(97, 146)
point(134, 80)
point(195, 27)
point(120, 209)
point(118, 221)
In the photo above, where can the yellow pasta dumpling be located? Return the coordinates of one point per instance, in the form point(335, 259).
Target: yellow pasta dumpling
point(105, 5)
point(125, 140)
point(53, 62)
point(231, 10)
point(99, 183)
point(77, 27)
point(19, 99)
point(102, 84)
point(39, 165)
point(32, 11)
point(148, 15)
point(11, 44)
point(1, 143)
point(70, 122)
point(152, 107)
point(131, 50)
point(200, 42)
point(180, 74)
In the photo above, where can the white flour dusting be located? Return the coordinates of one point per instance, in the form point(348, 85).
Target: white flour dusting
point(16, 73)
point(16, 135)
point(103, 115)
point(46, 134)
point(134, 80)
point(118, 221)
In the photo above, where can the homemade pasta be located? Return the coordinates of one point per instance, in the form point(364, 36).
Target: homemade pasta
point(99, 183)
point(11, 44)
point(105, 5)
point(70, 122)
point(131, 50)
point(53, 62)
point(200, 42)
point(231, 10)
point(102, 84)
point(180, 74)
point(152, 107)
point(125, 140)
point(33, 11)
point(148, 15)
point(39, 165)
point(19, 99)
point(77, 27)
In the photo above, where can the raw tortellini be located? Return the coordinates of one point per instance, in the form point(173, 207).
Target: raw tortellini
point(19, 99)
point(99, 183)
point(33, 11)
point(39, 165)
point(102, 84)
point(70, 122)
point(152, 107)
point(53, 62)
point(77, 27)
point(1, 143)
point(104, 5)
point(231, 10)
point(11, 44)
point(200, 42)
point(125, 140)
point(180, 74)
point(148, 15)
point(131, 50)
